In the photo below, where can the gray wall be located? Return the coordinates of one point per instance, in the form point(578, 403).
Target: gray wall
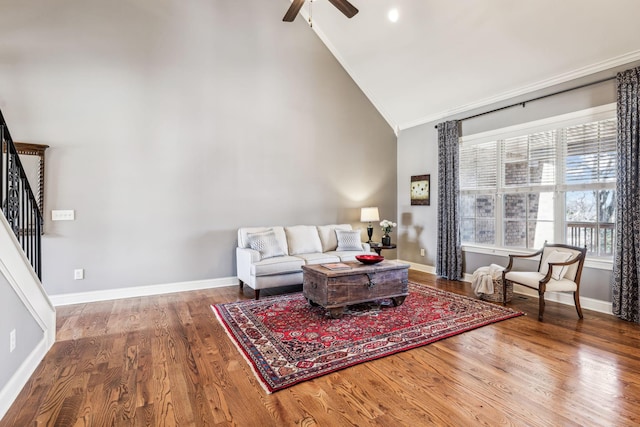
point(14, 315)
point(418, 154)
point(173, 123)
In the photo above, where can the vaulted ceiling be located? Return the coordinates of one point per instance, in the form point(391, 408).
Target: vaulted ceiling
point(447, 56)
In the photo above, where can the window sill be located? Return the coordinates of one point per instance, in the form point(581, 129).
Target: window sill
point(590, 262)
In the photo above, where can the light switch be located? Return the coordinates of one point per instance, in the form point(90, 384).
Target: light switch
point(63, 215)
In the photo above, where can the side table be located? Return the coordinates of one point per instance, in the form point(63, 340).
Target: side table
point(378, 247)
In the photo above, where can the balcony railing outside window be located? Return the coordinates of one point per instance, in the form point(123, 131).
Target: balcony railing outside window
point(597, 237)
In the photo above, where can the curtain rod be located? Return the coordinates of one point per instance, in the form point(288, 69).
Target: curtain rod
point(536, 99)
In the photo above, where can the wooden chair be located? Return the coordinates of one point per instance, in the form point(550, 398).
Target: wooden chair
point(559, 270)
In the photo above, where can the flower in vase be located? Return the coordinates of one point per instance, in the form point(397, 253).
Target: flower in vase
point(387, 226)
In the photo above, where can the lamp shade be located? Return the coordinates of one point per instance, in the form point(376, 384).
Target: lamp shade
point(369, 214)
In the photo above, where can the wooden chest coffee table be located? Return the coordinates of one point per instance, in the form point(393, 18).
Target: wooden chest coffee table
point(336, 289)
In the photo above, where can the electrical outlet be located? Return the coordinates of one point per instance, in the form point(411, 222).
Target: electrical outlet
point(12, 340)
point(78, 274)
point(422, 252)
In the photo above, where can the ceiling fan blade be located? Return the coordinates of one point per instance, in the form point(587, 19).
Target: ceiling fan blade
point(345, 7)
point(293, 11)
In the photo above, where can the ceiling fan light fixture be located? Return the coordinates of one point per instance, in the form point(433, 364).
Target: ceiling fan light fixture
point(393, 15)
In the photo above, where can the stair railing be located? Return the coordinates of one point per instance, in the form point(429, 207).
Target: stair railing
point(19, 205)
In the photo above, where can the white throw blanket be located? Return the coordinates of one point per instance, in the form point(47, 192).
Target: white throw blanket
point(482, 279)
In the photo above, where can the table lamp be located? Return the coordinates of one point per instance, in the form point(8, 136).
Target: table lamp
point(368, 215)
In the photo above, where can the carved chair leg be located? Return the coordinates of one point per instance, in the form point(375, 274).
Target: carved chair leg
point(540, 305)
point(576, 298)
point(257, 294)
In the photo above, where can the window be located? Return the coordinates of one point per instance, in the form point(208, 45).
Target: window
point(590, 175)
point(478, 203)
point(552, 180)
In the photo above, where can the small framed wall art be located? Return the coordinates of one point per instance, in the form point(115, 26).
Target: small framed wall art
point(420, 190)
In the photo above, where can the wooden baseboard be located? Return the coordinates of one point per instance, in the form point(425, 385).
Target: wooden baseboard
point(167, 288)
point(561, 297)
point(20, 377)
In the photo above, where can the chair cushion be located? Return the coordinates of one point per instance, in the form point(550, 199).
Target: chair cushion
point(532, 280)
point(303, 239)
point(572, 269)
point(556, 256)
point(328, 237)
point(278, 265)
point(349, 240)
point(266, 243)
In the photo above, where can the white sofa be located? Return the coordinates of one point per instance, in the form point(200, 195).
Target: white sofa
point(268, 257)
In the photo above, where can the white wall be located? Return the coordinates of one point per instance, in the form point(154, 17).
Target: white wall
point(417, 155)
point(172, 123)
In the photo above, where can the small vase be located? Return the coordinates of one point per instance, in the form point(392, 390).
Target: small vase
point(386, 240)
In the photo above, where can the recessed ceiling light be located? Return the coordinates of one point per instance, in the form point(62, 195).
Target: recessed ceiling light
point(393, 15)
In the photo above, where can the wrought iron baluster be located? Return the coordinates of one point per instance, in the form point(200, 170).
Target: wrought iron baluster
point(18, 202)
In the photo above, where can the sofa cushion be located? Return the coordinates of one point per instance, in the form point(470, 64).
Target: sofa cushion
point(303, 239)
point(319, 258)
point(278, 265)
point(328, 237)
point(266, 243)
point(349, 240)
point(348, 255)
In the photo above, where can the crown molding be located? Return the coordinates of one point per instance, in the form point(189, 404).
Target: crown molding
point(543, 84)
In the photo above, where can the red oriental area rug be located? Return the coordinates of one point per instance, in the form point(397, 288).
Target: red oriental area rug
point(287, 341)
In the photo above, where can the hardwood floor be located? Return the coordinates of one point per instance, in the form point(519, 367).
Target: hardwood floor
point(165, 360)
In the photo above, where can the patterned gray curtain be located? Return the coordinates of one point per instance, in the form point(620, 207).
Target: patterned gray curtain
point(627, 255)
point(449, 256)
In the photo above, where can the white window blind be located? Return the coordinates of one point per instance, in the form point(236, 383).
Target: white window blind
point(478, 166)
point(591, 153)
point(529, 160)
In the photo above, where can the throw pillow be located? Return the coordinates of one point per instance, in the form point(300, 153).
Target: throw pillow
point(328, 235)
point(303, 239)
point(349, 240)
point(266, 243)
point(556, 256)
